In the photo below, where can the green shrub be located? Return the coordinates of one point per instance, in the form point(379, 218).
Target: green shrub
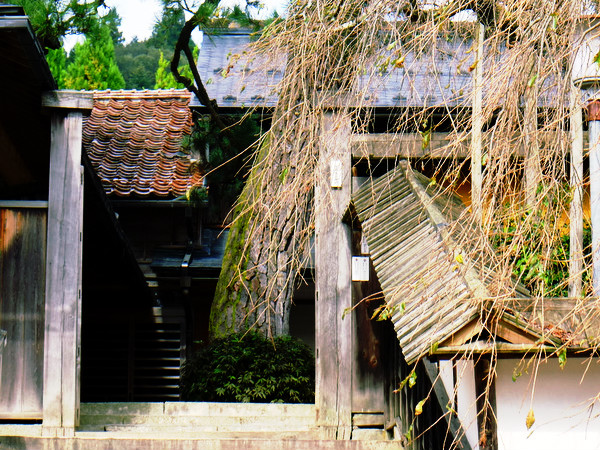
point(250, 368)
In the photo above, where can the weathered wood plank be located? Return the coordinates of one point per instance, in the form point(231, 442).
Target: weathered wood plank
point(533, 169)
point(576, 209)
point(333, 281)
point(477, 125)
point(485, 394)
point(65, 202)
point(26, 204)
point(22, 266)
point(368, 419)
point(68, 99)
point(441, 145)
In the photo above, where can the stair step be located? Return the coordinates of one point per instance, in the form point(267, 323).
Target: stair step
point(186, 432)
point(200, 421)
point(198, 409)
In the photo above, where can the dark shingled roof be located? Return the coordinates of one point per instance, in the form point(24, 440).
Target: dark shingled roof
point(133, 140)
point(229, 77)
point(431, 78)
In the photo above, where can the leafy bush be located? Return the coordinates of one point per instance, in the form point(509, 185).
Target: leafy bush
point(539, 259)
point(250, 368)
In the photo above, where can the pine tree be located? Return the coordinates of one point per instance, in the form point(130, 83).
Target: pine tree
point(57, 62)
point(164, 76)
point(94, 65)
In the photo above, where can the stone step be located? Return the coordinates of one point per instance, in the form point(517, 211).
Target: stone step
point(198, 409)
point(119, 441)
point(186, 432)
point(204, 422)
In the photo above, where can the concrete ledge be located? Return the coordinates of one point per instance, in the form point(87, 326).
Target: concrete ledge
point(198, 409)
point(20, 430)
point(108, 442)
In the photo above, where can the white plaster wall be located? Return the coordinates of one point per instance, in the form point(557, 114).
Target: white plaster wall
point(445, 368)
point(465, 401)
point(565, 404)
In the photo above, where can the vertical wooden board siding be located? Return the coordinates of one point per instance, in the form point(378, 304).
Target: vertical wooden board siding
point(65, 202)
point(333, 282)
point(22, 274)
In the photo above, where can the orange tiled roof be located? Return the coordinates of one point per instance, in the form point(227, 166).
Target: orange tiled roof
point(133, 140)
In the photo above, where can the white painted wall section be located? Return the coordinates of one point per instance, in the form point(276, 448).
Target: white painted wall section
point(565, 402)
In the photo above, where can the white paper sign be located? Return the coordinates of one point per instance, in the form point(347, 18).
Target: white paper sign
point(364, 246)
point(360, 268)
point(335, 173)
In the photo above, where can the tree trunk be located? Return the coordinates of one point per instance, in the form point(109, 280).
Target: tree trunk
point(272, 222)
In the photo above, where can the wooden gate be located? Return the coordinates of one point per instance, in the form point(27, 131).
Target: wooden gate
point(22, 284)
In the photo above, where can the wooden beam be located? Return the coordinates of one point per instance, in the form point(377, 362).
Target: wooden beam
point(533, 169)
point(500, 348)
point(24, 204)
point(485, 397)
point(441, 145)
point(576, 209)
point(477, 125)
point(333, 257)
point(467, 332)
point(68, 99)
point(512, 334)
point(63, 277)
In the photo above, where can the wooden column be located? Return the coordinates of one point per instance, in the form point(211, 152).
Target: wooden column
point(593, 110)
point(333, 259)
point(477, 124)
point(62, 345)
point(485, 392)
point(533, 170)
point(576, 210)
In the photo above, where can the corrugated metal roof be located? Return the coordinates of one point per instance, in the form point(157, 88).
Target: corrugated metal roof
point(430, 296)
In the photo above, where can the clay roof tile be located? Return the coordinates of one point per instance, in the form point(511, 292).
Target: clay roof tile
point(133, 138)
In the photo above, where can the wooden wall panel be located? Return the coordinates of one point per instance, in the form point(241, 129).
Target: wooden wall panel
point(22, 285)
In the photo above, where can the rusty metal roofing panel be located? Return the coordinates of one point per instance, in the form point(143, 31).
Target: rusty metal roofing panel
point(428, 293)
point(133, 140)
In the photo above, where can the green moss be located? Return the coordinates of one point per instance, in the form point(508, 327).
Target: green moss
point(223, 314)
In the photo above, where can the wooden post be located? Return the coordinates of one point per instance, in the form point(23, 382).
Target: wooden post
point(62, 345)
point(485, 394)
point(477, 123)
point(333, 259)
point(593, 110)
point(533, 169)
point(576, 210)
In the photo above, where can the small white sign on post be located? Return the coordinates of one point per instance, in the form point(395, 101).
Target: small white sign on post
point(360, 268)
point(335, 173)
point(364, 245)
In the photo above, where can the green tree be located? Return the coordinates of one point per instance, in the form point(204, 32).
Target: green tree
point(138, 63)
point(57, 61)
point(52, 20)
point(94, 66)
point(165, 78)
point(166, 30)
point(113, 21)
